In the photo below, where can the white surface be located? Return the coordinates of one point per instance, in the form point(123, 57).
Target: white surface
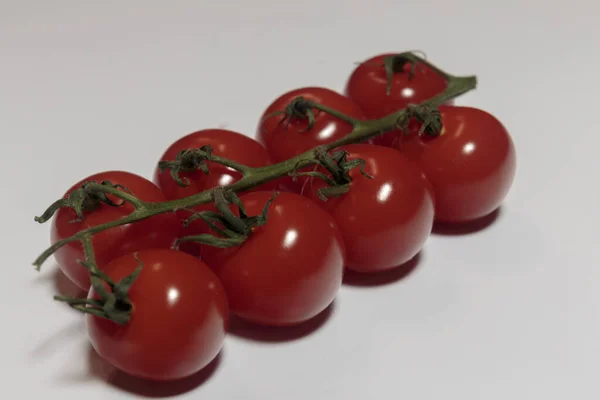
point(510, 312)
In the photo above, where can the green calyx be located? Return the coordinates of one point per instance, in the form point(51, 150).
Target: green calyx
point(298, 109)
point(83, 199)
point(394, 64)
point(337, 164)
point(429, 117)
point(231, 230)
point(112, 303)
point(187, 160)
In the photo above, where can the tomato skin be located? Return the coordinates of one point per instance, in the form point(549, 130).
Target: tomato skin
point(225, 143)
point(159, 231)
point(283, 143)
point(385, 221)
point(367, 87)
point(179, 317)
point(288, 270)
point(471, 165)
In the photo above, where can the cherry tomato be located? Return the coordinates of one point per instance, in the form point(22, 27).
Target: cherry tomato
point(225, 143)
point(386, 220)
point(286, 141)
point(159, 231)
point(471, 165)
point(288, 270)
point(367, 86)
point(178, 322)
point(228, 144)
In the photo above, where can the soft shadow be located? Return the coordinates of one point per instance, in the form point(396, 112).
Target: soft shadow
point(352, 278)
point(467, 228)
point(46, 275)
point(61, 284)
point(146, 388)
point(246, 330)
point(65, 287)
point(74, 331)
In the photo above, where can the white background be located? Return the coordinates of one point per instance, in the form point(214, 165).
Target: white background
point(509, 312)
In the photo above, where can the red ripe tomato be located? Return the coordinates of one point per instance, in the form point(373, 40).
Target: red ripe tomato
point(178, 322)
point(471, 165)
point(288, 270)
point(386, 220)
point(159, 231)
point(367, 86)
point(286, 141)
point(228, 144)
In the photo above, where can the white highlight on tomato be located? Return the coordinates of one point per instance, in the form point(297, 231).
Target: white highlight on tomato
point(172, 296)
point(225, 180)
point(327, 132)
point(384, 192)
point(290, 238)
point(408, 92)
point(469, 148)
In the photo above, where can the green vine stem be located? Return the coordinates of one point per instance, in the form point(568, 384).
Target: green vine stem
point(231, 230)
point(252, 177)
point(112, 300)
point(195, 159)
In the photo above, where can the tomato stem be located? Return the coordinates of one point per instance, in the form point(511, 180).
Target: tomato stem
point(394, 64)
point(232, 230)
point(252, 177)
point(189, 160)
point(230, 163)
point(331, 111)
point(339, 167)
point(88, 197)
point(113, 303)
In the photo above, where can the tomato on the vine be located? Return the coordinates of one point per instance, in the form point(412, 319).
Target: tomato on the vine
point(288, 270)
point(368, 87)
point(159, 231)
point(287, 140)
point(225, 143)
point(386, 220)
point(178, 320)
point(471, 165)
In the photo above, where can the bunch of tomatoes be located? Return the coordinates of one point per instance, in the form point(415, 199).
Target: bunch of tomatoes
point(290, 268)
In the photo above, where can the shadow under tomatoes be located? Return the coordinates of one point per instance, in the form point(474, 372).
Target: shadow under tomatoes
point(100, 369)
point(394, 275)
point(274, 334)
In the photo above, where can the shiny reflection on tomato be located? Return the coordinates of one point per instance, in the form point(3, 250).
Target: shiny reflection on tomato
point(471, 165)
point(179, 318)
point(386, 220)
point(288, 270)
point(367, 86)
